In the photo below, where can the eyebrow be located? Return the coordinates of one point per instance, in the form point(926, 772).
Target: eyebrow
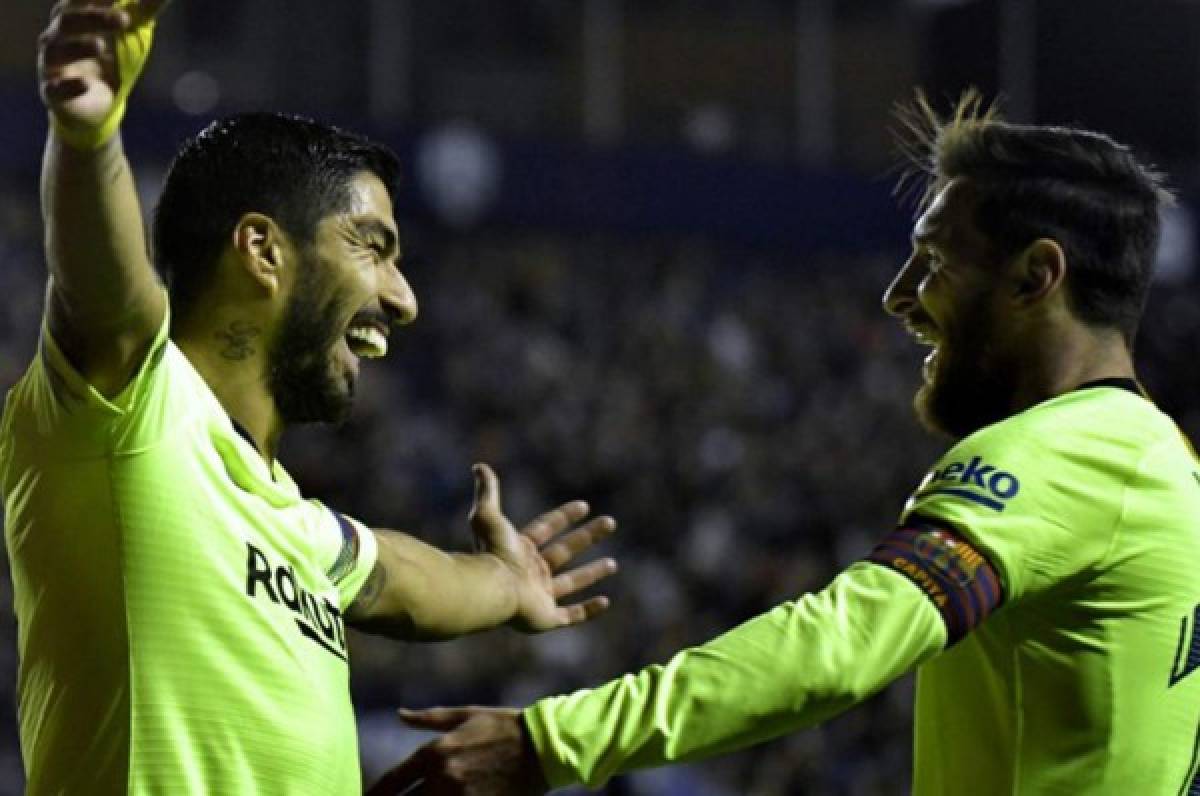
point(373, 228)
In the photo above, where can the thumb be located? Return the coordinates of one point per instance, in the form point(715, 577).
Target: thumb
point(485, 511)
point(439, 719)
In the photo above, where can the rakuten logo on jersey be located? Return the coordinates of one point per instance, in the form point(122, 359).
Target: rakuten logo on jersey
point(976, 481)
point(317, 619)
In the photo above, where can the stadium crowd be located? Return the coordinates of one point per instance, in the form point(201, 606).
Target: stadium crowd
point(744, 414)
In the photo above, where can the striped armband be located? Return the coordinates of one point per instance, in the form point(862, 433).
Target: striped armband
point(348, 554)
point(955, 576)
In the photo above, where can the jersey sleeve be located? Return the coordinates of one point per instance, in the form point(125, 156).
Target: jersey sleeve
point(55, 402)
point(346, 550)
point(795, 666)
point(1038, 505)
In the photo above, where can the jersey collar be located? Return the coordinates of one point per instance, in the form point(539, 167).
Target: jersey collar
point(1119, 383)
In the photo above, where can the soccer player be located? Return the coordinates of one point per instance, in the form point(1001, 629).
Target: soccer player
point(181, 608)
point(1041, 579)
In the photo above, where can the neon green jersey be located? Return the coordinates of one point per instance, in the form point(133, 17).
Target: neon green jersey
point(1088, 505)
point(1053, 553)
point(178, 603)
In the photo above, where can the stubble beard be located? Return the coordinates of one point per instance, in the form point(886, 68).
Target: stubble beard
point(302, 373)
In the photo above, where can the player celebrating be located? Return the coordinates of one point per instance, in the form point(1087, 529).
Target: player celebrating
point(181, 609)
point(1040, 579)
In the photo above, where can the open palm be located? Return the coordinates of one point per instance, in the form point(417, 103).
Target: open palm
point(538, 553)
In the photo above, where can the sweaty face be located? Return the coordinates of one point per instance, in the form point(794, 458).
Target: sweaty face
point(347, 294)
point(947, 295)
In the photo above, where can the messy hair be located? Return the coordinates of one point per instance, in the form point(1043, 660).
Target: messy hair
point(1080, 188)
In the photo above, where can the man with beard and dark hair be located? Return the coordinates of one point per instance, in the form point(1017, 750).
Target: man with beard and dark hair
point(182, 610)
point(1041, 578)
point(293, 173)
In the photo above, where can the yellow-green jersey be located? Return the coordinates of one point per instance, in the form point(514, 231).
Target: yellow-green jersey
point(1088, 506)
point(1041, 579)
point(179, 604)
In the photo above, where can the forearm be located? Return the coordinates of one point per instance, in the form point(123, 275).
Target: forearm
point(795, 666)
point(429, 594)
point(95, 241)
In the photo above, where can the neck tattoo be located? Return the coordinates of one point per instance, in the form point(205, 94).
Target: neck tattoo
point(236, 338)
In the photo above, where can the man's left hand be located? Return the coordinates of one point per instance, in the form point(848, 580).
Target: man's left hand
point(536, 553)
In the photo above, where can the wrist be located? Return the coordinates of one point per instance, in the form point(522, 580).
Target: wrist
point(529, 754)
point(87, 138)
point(495, 586)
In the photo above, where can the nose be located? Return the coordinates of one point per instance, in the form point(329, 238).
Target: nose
point(900, 298)
point(397, 297)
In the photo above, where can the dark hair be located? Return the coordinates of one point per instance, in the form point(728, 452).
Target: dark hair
point(1080, 188)
point(293, 169)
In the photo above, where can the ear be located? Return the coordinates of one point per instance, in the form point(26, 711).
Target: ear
point(1040, 271)
point(261, 248)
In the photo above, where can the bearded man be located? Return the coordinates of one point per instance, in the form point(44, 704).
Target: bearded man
point(181, 608)
point(1041, 579)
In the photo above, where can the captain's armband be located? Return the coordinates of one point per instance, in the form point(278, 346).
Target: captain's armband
point(956, 577)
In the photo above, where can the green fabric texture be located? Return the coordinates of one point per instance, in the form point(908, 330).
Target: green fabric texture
point(793, 667)
point(1067, 688)
point(179, 629)
point(1082, 682)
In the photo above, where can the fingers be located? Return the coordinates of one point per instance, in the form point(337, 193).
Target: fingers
point(66, 50)
point(75, 35)
point(582, 612)
point(71, 4)
point(561, 552)
point(552, 523)
point(90, 19)
point(439, 719)
point(580, 578)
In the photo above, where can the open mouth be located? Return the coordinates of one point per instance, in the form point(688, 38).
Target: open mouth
point(927, 338)
point(367, 341)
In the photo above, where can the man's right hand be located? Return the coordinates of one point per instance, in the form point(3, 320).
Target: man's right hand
point(89, 57)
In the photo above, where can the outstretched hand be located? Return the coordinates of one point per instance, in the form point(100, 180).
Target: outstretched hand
point(484, 751)
point(538, 555)
point(89, 57)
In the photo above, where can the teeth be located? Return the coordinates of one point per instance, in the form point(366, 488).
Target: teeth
point(367, 341)
point(924, 338)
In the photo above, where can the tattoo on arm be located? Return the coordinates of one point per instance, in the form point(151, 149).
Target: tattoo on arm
point(370, 592)
point(237, 338)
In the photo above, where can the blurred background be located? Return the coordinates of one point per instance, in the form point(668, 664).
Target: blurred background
point(649, 240)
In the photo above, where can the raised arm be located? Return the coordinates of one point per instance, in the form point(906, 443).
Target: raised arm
point(104, 301)
point(417, 591)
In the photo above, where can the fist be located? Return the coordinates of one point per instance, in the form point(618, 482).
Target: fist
point(90, 54)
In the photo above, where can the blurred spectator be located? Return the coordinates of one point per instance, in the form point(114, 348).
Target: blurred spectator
point(745, 414)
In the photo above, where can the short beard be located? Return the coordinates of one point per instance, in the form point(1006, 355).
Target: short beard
point(969, 388)
point(301, 372)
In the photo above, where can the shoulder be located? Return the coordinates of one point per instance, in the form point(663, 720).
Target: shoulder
point(1095, 434)
point(1041, 492)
